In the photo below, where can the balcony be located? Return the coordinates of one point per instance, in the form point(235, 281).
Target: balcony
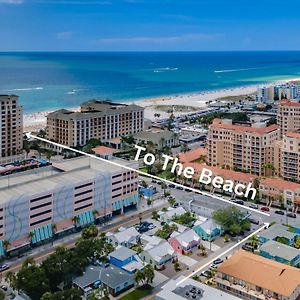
point(239, 290)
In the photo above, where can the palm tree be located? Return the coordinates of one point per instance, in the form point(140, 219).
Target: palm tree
point(75, 220)
point(6, 244)
point(95, 213)
point(254, 242)
point(149, 274)
point(256, 182)
point(49, 154)
point(10, 278)
point(139, 277)
point(54, 228)
point(31, 235)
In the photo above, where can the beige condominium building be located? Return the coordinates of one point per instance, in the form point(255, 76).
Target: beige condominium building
point(289, 156)
point(288, 116)
point(102, 120)
point(11, 141)
point(250, 276)
point(246, 147)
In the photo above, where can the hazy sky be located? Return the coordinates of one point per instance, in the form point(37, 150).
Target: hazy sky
point(101, 25)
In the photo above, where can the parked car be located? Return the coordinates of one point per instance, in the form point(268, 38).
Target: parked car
point(247, 248)
point(218, 261)
point(213, 267)
point(4, 267)
point(171, 185)
point(253, 205)
point(291, 215)
point(279, 212)
point(253, 221)
point(240, 202)
point(206, 274)
point(265, 208)
point(151, 226)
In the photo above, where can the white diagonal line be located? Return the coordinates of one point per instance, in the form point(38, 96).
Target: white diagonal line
point(223, 253)
point(145, 174)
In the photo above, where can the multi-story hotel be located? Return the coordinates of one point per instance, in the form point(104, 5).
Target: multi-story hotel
point(289, 156)
point(11, 140)
point(279, 92)
point(97, 119)
point(250, 276)
point(288, 116)
point(57, 198)
point(246, 147)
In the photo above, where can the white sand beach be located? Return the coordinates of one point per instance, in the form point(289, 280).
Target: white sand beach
point(36, 121)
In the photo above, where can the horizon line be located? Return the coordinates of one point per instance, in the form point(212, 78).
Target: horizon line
point(140, 51)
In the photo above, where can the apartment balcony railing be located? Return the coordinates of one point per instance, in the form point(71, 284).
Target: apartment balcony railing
point(243, 289)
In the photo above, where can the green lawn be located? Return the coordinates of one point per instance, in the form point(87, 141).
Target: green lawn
point(138, 293)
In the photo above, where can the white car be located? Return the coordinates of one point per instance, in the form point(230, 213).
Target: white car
point(4, 267)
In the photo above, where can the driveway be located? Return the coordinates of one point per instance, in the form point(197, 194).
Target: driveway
point(187, 260)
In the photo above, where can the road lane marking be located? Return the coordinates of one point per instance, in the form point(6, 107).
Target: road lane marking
point(29, 135)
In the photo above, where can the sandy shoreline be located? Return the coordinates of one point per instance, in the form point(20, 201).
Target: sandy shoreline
point(36, 121)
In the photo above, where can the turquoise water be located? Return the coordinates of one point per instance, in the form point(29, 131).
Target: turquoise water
point(47, 81)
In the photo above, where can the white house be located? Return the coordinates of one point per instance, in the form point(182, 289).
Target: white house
point(170, 213)
point(159, 255)
point(126, 237)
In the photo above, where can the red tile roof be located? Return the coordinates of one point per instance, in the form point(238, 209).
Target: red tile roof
point(217, 123)
point(226, 174)
point(266, 273)
point(103, 150)
point(192, 155)
point(289, 103)
point(280, 184)
point(293, 134)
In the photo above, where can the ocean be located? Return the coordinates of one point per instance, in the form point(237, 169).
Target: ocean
point(50, 80)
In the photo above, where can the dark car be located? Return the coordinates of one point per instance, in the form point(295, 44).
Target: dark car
point(279, 212)
point(291, 215)
point(218, 261)
point(253, 221)
point(171, 185)
point(240, 202)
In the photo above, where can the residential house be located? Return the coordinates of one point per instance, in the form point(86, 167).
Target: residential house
point(250, 276)
point(207, 230)
point(114, 279)
point(280, 252)
point(180, 228)
point(126, 259)
point(126, 237)
point(184, 242)
point(278, 231)
point(172, 212)
point(150, 240)
point(104, 152)
point(159, 255)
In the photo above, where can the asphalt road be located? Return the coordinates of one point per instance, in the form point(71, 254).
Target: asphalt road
point(40, 255)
